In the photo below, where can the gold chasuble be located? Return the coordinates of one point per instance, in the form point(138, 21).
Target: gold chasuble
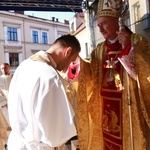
point(113, 108)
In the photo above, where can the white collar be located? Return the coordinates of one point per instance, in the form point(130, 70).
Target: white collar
point(113, 41)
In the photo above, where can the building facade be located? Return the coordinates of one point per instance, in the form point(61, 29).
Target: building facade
point(139, 15)
point(22, 35)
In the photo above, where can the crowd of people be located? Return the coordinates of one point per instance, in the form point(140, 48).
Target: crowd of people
point(104, 102)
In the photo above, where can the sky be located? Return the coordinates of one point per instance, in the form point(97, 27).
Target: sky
point(48, 15)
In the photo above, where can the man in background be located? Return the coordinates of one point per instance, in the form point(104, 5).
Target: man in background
point(5, 80)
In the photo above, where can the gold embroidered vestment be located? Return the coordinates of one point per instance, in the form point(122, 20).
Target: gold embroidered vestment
point(90, 106)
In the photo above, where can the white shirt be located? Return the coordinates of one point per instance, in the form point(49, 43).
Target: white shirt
point(39, 110)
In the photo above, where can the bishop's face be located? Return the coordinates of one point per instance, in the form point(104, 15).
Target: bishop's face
point(108, 27)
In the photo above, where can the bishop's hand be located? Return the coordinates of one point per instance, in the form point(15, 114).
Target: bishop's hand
point(124, 37)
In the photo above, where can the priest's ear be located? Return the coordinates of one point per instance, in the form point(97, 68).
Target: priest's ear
point(68, 51)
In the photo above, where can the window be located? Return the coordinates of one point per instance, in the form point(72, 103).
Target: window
point(136, 9)
point(35, 36)
point(44, 38)
point(13, 59)
point(87, 50)
point(72, 30)
point(72, 26)
point(12, 34)
point(146, 16)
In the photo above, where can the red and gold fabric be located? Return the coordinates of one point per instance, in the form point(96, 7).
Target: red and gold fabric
point(105, 117)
